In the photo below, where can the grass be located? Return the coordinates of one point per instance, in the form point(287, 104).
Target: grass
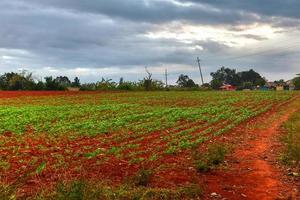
point(82, 190)
point(214, 156)
point(291, 154)
point(141, 178)
point(58, 135)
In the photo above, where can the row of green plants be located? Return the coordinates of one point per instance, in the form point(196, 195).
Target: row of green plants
point(123, 121)
point(136, 186)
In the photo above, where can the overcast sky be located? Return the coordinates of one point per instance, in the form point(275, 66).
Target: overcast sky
point(113, 38)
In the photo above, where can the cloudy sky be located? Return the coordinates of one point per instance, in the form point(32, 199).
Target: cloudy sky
point(114, 38)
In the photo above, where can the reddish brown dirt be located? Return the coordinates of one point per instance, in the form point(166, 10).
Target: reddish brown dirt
point(15, 94)
point(253, 171)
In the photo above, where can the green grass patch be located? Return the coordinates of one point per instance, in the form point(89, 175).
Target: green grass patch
point(291, 155)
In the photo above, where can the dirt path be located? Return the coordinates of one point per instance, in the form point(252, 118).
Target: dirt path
point(253, 172)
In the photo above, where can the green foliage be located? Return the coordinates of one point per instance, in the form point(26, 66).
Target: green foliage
point(216, 153)
point(216, 84)
point(81, 190)
point(214, 156)
point(251, 77)
point(185, 82)
point(292, 141)
point(76, 82)
point(59, 83)
point(75, 191)
point(142, 178)
point(41, 168)
point(296, 82)
point(246, 85)
point(7, 192)
point(226, 75)
point(119, 124)
point(243, 80)
point(17, 81)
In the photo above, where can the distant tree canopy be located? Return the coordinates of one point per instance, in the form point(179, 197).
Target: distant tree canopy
point(185, 82)
point(296, 82)
point(243, 80)
point(226, 75)
point(252, 77)
point(17, 81)
point(76, 82)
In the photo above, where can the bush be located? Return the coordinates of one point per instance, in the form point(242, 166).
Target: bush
point(73, 192)
point(142, 178)
point(297, 83)
point(214, 156)
point(216, 153)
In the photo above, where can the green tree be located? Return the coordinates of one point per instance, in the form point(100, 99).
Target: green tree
point(17, 81)
point(226, 75)
point(251, 76)
point(216, 84)
point(40, 86)
point(106, 84)
point(63, 82)
point(296, 82)
point(185, 82)
point(76, 82)
point(51, 84)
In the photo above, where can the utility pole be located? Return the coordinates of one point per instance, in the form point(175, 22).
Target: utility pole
point(166, 75)
point(199, 64)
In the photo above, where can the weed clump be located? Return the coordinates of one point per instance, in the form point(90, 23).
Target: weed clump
point(214, 156)
point(80, 190)
point(291, 155)
point(142, 178)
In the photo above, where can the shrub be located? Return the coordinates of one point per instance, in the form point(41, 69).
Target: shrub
point(214, 156)
point(202, 166)
point(142, 178)
point(75, 191)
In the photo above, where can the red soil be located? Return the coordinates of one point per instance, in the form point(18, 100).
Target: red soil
point(14, 94)
point(253, 171)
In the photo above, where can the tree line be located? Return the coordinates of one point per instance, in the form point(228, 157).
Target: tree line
point(242, 80)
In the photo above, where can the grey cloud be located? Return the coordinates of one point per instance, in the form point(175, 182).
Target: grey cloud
point(284, 8)
point(105, 34)
point(151, 11)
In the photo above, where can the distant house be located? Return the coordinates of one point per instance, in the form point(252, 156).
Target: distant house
point(276, 86)
point(279, 88)
point(290, 85)
point(228, 87)
point(271, 85)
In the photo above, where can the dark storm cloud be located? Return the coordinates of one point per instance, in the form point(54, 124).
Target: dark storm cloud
point(284, 8)
point(151, 11)
point(113, 33)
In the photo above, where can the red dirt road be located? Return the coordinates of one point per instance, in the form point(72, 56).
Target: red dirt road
point(253, 171)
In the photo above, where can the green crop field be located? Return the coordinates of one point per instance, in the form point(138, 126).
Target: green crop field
point(109, 136)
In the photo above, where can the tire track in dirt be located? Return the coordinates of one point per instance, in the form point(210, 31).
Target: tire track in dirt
point(252, 169)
